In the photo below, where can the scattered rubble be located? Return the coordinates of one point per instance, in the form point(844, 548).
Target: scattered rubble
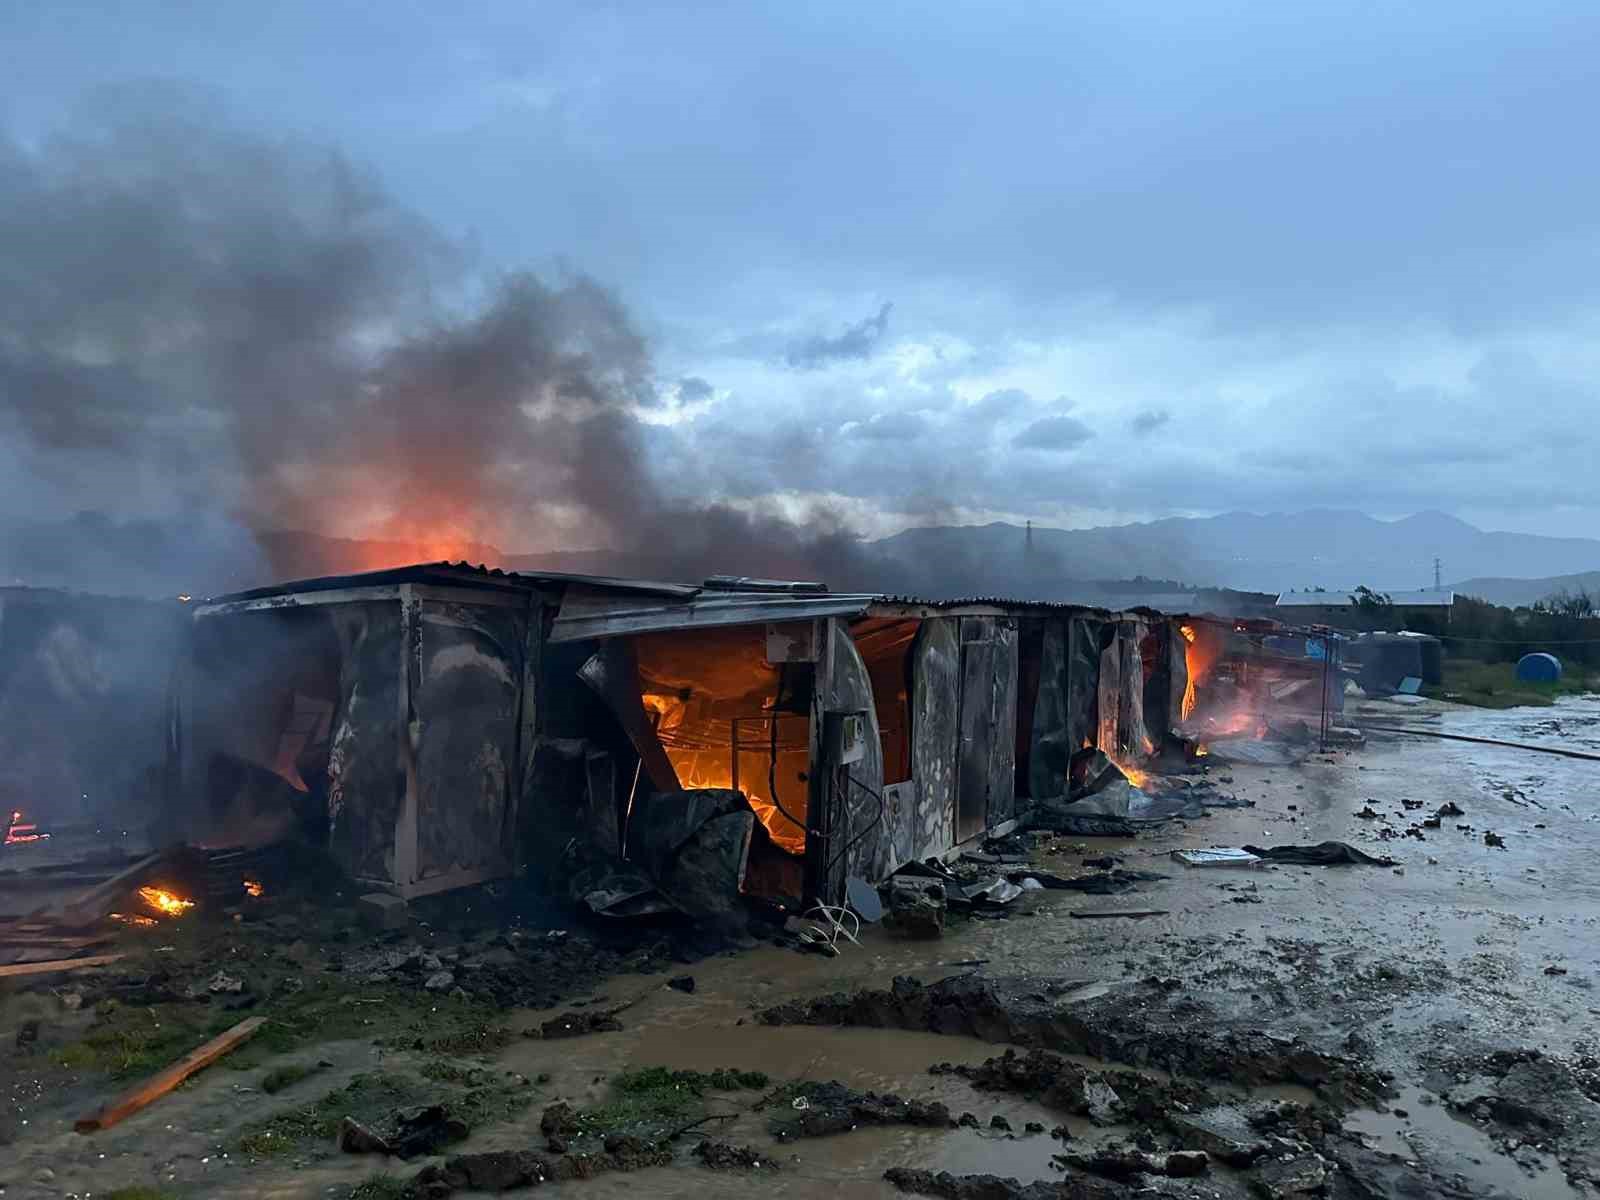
point(1143, 1025)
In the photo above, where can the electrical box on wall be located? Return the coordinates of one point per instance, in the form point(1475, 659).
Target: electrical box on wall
point(792, 642)
point(844, 737)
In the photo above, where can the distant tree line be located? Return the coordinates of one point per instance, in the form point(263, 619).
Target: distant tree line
point(1565, 624)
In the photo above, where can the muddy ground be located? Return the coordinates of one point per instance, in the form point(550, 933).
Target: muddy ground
point(1421, 1030)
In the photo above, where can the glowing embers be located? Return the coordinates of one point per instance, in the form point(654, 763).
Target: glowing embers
point(254, 889)
point(168, 904)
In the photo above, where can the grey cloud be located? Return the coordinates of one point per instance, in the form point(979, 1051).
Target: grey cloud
point(1053, 433)
point(857, 342)
point(893, 426)
point(691, 389)
point(1150, 420)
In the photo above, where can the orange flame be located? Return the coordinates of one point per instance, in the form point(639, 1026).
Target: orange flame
point(164, 902)
point(1199, 656)
point(1133, 774)
point(253, 887)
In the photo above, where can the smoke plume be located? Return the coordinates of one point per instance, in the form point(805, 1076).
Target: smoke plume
point(230, 335)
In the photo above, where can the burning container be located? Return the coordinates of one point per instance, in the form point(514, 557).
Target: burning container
point(646, 745)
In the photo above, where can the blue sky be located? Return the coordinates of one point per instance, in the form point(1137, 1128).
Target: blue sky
point(1078, 263)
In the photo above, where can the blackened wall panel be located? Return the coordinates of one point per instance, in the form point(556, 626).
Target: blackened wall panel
point(1132, 741)
point(1083, 682)
point(366, 785)
point(935, 712)
point(1003, 758)
point(1051, 746)
point(466, 709)
point(979, 660)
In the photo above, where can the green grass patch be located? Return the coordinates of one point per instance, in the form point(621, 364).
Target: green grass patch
point(654, 1100)
point(139, 1193)
point(367, 1098)
point(128, 1041)
point(1495, 685)
point(374, 1099)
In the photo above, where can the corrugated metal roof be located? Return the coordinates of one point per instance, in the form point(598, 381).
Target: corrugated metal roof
point(595, 613)
point(459, 574)
point(1333, 599)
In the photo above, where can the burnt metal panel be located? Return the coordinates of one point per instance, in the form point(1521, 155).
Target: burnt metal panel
point(1083, 682)
point(1155, 648)
point(1131, 737)
point(465, 721)
point(366, 784)
point(1108, 698)
point(1003, 757)
point(860, 843)
point(935, 733)
point(979, 660)
point(1052, 747)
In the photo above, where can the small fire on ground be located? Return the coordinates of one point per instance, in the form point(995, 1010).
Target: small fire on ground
point(133, 919)
point(168, 904)
point(19, 834)
point(252, 887)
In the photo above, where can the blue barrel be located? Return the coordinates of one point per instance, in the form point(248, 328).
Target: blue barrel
point(1538, 668)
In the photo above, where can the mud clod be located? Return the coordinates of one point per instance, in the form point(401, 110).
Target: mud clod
point(722, 1156)
point(820, 1109)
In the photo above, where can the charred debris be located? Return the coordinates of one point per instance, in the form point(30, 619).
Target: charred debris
point(533, 749)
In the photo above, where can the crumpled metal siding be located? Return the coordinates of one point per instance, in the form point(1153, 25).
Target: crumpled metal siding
point(466, 704)
point(935, 736)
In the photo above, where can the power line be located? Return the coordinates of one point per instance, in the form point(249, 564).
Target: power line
point(1459, 637)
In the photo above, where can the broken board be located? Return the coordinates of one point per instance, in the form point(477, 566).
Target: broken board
point(144, 1094)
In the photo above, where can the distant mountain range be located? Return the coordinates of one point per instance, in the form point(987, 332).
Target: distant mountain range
point(1334, 549)
point(1331, 548)
point(1518, 592)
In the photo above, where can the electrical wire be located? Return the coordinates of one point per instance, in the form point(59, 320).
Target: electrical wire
point(878, 820)
point(835, 923)
point(772, 752)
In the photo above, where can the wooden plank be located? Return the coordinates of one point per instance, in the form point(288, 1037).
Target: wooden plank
point(17, 938)
point(96, 902)
point(1120, 912)
point(158, 1085)
point(58, 964)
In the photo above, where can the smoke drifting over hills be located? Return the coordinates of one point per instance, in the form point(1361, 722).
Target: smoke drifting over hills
point(228, 334)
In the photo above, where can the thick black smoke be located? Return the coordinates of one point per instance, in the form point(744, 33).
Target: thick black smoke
point(231, 335)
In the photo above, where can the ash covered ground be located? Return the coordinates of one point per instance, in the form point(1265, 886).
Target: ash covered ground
point(1426, 1029)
